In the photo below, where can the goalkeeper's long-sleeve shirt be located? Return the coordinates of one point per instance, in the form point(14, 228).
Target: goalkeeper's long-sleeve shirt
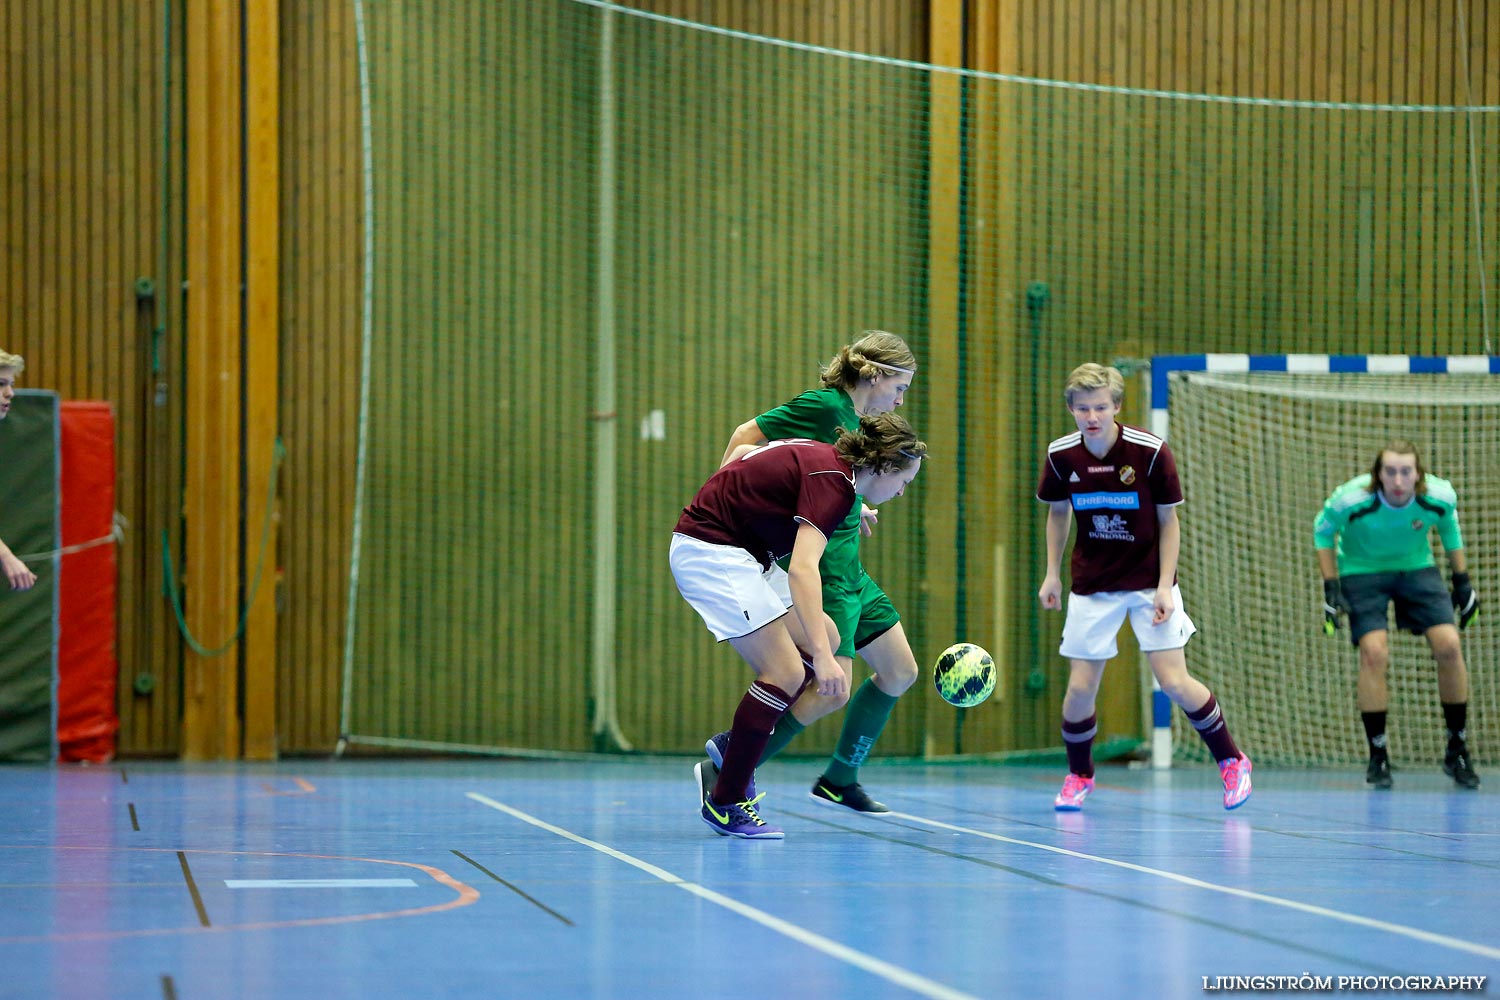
point(1374, 537)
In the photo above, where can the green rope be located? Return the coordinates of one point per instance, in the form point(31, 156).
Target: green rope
point(169, 582)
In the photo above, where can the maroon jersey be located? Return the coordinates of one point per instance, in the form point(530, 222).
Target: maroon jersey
point(1114, 501)
point(758, 502)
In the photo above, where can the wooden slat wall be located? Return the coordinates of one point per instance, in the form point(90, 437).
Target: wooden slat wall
point(942, 611)
point(89, 167)
point(893, 28)
point(320, 361)
point(1161, 226)
point(772, 212)
point(262, 334)
point(701, 276)
point(86, 176)
point(211, 500)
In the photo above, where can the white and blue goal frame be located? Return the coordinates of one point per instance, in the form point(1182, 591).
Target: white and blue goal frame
point(1160, 401)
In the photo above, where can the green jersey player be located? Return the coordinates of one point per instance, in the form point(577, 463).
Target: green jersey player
point(866, 378)
point(1372, 539)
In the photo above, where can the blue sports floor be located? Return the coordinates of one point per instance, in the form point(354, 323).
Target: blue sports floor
point(547, 879)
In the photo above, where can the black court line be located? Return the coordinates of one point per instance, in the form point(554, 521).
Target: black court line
point(1357, 824)
point(515, 889)
point(187, 873)
point(1213, 820)
point(135, 824)
point(1231, 928)
point(124, 780)
point(168, 988)
point(1341, 839)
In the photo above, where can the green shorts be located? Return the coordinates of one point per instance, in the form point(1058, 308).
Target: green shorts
point(855, 602)
point(861, 611)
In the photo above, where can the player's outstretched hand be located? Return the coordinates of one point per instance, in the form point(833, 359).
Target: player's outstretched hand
point(1333, 603)
point(867, 518)
point(17, 572)
point(1465, 601)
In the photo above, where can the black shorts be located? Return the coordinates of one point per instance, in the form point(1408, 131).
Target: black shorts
point(1419, 595)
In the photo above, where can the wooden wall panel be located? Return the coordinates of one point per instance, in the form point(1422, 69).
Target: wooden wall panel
point(212, 493)
point(89, 181)
point(942, 612)
point(320, 362)
point(521, 191)
point(893, 28)
point(93, 185)
point(771, 209)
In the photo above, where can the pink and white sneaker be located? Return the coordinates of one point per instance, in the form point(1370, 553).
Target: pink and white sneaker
point(1236, 775)
point(1075, 789)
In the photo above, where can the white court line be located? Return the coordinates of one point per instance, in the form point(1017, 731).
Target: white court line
point(885, 970)
point(319, 883)
point(1441, 940)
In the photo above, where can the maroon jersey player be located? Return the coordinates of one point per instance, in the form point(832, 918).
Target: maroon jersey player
point(1119, 485)
point(785, 498)
point(12, 569)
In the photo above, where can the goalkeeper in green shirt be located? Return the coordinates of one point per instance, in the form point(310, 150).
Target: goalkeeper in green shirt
point(1373, 550)
point(865, 378)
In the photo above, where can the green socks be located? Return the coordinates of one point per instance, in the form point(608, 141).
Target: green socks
point(787, 728)
point(864, 717)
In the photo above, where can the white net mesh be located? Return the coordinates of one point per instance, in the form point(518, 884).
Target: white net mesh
point(1258, 454)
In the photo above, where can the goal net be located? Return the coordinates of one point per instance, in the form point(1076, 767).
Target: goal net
point(1258, 454)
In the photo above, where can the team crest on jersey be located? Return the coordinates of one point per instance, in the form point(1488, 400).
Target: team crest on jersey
point(1127, 474)
point(1417, 524)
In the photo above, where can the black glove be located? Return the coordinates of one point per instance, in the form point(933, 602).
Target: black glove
point(1333, 603)
point(1465, 601)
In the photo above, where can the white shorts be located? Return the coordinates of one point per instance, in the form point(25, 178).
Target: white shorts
point(1094, 621)
point(727, 587)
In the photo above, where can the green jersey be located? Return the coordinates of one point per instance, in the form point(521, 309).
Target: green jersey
point(818, 414)
point(1374, 537)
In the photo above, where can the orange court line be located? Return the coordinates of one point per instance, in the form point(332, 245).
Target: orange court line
point(466, 894)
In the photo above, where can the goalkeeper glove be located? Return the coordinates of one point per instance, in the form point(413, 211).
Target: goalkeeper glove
point(1333, 603)
point(1465, 601)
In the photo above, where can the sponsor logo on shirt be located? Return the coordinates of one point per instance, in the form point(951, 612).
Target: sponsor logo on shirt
point(1073, 478)
point(1101, 468)
point(1112, 528)
point(1127, 475)
point(1111, 501)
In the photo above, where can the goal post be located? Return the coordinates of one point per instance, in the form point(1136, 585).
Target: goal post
point(1260, 442)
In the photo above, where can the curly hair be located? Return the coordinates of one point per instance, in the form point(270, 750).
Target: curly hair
point(14, 361)
point(875, 353)
point(884, 443)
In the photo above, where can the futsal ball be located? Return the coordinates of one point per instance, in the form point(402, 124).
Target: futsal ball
point(964, 675)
